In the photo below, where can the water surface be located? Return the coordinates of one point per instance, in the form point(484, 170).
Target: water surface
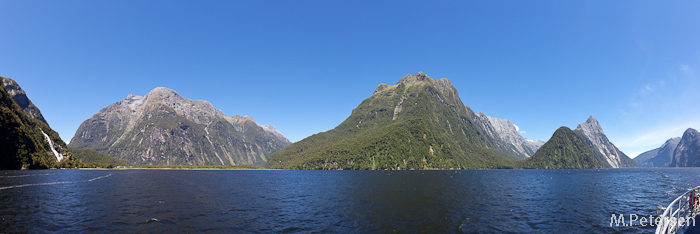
point(291, 201)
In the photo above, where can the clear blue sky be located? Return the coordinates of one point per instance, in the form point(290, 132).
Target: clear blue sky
point(304, 65)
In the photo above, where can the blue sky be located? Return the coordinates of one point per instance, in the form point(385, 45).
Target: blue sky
point(304, 65)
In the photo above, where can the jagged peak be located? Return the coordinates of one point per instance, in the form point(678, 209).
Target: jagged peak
point(690, 132)
point(20, 97)
point(414, 79)
point(380, 88)
point(592, 120)
point(133, 96)
point(590, 124)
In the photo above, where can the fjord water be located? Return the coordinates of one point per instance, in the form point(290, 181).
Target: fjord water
point(291, 201)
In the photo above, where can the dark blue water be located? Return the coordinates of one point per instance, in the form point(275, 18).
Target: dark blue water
point(468, 201)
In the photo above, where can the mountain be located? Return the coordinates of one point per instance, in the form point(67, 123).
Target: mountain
point(26, 140)
point(659, 157)
point(566, 149)
point(563, 150)
point(20, 97)
point(687, 153)
point(163, 128)
point(601, 146)
point(418, 123)
point(508, 137)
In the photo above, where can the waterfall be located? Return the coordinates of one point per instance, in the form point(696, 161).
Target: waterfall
point(59, 157)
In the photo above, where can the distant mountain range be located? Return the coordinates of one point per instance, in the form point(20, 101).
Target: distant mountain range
point(675, 152)
point(26, 140)
point(506, 134)
point(418, 123)
point(163, 128)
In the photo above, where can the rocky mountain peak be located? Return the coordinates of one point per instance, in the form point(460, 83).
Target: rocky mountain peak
point(673, 142)
point(690, 133)
point(599, 143)
point(414, 79)
point(165, 128)
point(163, 91)
point(592, 121)
point(687, 153)
point(20, 97)
point(380, 88)
point(591, 126)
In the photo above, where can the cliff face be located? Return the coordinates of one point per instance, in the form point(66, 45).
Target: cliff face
point(601, 146)
point(26, 140)
point(687, 153)
point(507, 136)
point(20, 97)
point(163, 128)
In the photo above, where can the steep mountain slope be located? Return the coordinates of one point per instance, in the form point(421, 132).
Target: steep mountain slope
point(163, 128)
point(564, 150)
point(687, 153)
point(659, 157)
point(26, 140)
point(601, 146)
point(20, 97)
point(507, 136)
point(418, 123)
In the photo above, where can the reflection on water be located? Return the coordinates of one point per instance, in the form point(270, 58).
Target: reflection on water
point(468, 201)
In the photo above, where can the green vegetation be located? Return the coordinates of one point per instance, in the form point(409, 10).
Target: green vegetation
point(22, 145)
point(94, 159)
point(194, 167)
point(154, 133)
point(565, 150)
point(412, 125)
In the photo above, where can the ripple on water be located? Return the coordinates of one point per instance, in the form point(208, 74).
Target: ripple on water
point(467, 201)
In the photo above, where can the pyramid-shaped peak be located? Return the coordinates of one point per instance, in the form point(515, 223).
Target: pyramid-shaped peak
point(592, 120)
point(590, 127)
point(591, 123)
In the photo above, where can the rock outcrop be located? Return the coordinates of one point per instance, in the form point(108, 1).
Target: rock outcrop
point(601, 146)
point(26, 140)
point(687, 153)
point(163, 128)
point(508, 136)
point(20, 97)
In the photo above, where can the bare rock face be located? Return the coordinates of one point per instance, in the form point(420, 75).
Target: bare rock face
point(687, 153)
point(509, 136)
point(163, 128)
point(600, 145)
point(20, 97)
